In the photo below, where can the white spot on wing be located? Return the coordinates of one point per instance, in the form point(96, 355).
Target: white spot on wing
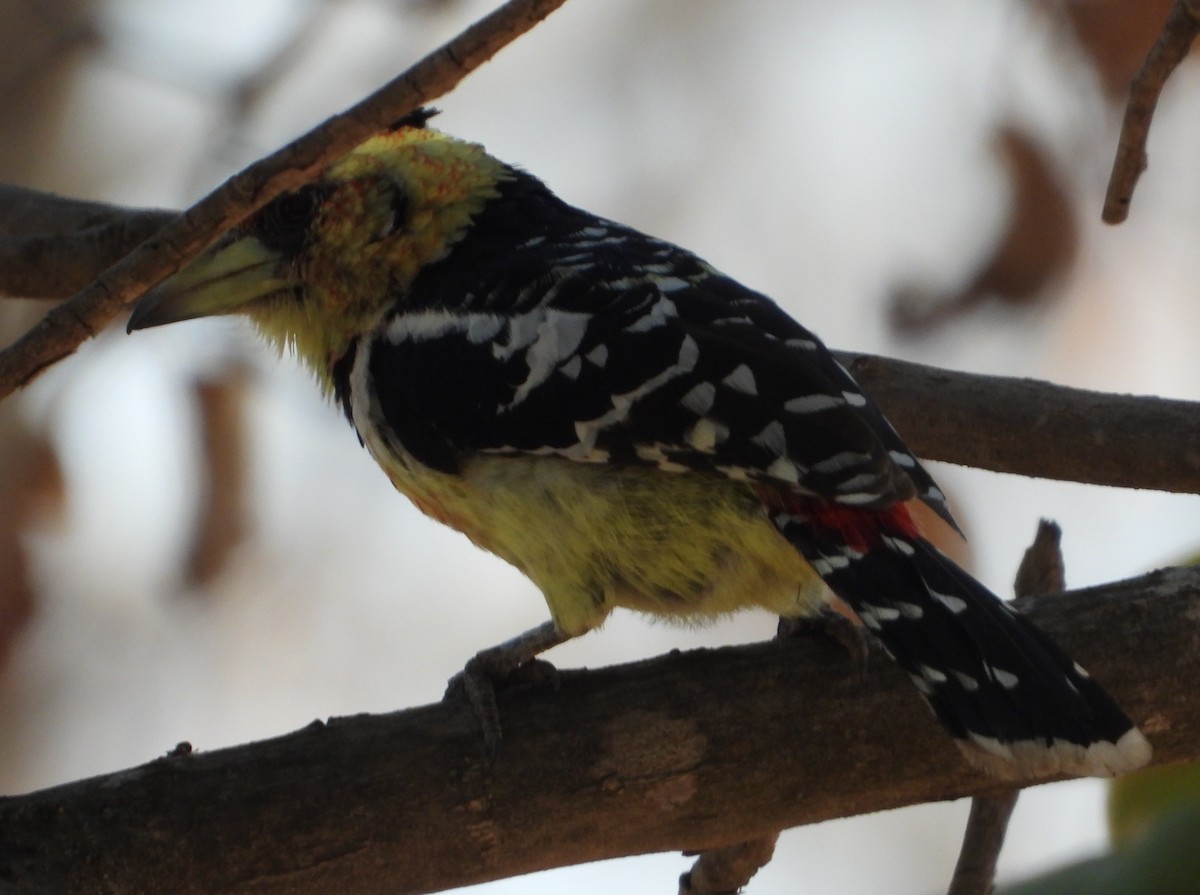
point(706, 435)
point(812, 403)
point(899, 545)
point(857, 500)
point(953, 603)
point(843, 460)
point(699, 399)
point(878, 613)
point(656, 316)
point(931, 674)
point(653, 453)
point(1005, 679)
point(670, 284)
point(598, 355)
point(965, 681)
point(735, 473)
point(829, 564)
point(902, 459)
point(741, 380)
point(572, 367)
point(555, 338)
point(854, 399)
point(522, 330)
point(773, 438)
point(784, 470)
point(689, 353)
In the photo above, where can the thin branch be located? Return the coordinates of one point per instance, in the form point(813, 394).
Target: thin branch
point(25, 212)
point(726, 871)
point(683, 752)
point(67, 326)
point(1172, 46)
point(975, 872)
point(51, 247)
point(1042, 570)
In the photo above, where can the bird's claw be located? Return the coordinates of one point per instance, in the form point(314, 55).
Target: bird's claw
point(511, 662)
point(831, 624)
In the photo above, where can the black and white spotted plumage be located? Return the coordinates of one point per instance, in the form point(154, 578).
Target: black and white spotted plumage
point(628, 426)
point(991, 676)
point(588, 340)
point(549, 331)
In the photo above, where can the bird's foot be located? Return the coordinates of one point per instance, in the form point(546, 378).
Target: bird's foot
point(831, 624)
point(502, 664)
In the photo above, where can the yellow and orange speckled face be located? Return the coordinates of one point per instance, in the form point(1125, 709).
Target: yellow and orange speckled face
point(416, 189)
point(387, 209)
point(318, 266)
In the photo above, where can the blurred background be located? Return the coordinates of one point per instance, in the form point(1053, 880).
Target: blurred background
point(194, 547)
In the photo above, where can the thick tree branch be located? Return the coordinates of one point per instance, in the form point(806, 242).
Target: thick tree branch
point(65, 327)
point(1022, 426)
point(1033, 428)
point(685, 752)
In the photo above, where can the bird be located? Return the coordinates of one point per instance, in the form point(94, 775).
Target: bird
point(629, 427)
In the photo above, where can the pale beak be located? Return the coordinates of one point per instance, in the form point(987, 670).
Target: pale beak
point(232, 274)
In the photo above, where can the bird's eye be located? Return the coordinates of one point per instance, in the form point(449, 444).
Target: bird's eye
point(398, 213)
point(283, 224)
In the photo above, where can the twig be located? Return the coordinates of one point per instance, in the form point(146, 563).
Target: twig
point(724, 871)
point(67, 326)
point(1172, 46)
point(975, 872)
point(51, 247)
point(683, 752)
point(1040, 572)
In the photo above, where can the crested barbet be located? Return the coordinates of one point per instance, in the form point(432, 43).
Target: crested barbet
point(629, 427)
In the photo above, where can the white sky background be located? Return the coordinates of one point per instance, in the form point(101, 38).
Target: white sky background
point(821, 152)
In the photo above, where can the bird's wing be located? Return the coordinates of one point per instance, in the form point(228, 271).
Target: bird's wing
point(700, 374)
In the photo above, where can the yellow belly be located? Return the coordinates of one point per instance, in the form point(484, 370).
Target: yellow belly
point(595, 537)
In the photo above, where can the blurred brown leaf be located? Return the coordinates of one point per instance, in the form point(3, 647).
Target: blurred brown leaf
point(221, 518)
point(1037, 247)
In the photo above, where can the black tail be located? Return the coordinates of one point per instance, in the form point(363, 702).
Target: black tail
point(1011, 698)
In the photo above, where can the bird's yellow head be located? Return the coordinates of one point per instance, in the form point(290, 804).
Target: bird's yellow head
point(321, 265)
